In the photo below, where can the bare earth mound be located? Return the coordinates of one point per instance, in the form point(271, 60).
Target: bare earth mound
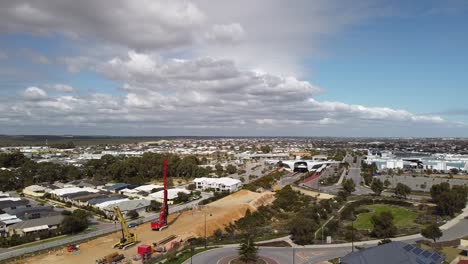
point(184, 225)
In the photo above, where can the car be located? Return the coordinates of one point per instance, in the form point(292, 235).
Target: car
point(132, 225)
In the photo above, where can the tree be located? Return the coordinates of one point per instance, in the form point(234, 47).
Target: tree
point(218, 234)
point(383, 225)
point(438, 189)
point(377, 186)
point(387, 183)
point(182, 197)
point(231, 169)
point(402, 190)
point(248, 250)
point(219, 169)
point(302, 230)
point(132, 214)
point(154, 206)
point(432, 232)
point(75, 222)
point(348, 186)
point(266, 149)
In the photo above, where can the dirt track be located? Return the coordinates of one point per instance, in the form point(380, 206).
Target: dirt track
point(184, 225)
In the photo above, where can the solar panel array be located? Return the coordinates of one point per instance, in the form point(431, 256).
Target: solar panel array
point(424, 256)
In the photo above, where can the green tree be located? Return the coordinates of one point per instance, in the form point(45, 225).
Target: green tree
point(402, 190)
point(219, 169)
point(266, 149)
point(438, 189)
point(377, 186)
point(218, 234)
point(248, 250)
point(387, 183)
point(132, 214)
point(154, 205)
point(383, 225)
point(302, 230)
point(432, 232)
point(231, 169)
point(348, 186)
point(76, 222)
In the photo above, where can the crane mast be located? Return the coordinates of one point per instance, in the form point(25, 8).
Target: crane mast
point(164, 212)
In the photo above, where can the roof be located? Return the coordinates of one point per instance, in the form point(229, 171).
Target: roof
point(394, 252)
point(128, 205)
point(6, 204)
point(148, 187)
point(106, 199)
point(117, 186)
point(35, 228)
point(50, 221)
point(224, 180)
point(69, 190)
point(171, 193)
point(107, 203)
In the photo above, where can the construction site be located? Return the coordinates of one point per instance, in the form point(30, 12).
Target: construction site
point(180, 227)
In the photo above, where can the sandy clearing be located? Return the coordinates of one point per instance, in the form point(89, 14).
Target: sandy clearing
point(318, 195)
point(184, 225)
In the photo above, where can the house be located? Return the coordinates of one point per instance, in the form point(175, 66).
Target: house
point(138, 205)
point(171, 195)
point(218, 184)
point(13, 204)
point(36, 190)
point(393, 252)
point(33, 212)
point(98, 200)
point(34, 226)
point(116, 187)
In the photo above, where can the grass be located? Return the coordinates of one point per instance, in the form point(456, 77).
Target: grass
point(450, 252)
point(185, 255)
point(42, 241)
point(402, 216)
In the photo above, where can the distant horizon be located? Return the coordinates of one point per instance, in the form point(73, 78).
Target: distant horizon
point(219, 136)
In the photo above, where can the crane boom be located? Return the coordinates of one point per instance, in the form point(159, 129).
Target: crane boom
point(127, 237)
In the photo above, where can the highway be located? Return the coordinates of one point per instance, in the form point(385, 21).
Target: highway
point(11, 253)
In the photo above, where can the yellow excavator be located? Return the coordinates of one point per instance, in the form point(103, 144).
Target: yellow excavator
point(128, 238)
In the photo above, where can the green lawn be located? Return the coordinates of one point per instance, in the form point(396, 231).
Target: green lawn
point(402, 216)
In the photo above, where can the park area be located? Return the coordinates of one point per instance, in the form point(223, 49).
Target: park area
point(403, 217)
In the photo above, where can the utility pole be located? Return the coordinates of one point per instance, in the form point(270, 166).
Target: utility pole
point(205, 232)
point(294, 255)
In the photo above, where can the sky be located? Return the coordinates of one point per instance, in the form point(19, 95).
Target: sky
point(376, 68)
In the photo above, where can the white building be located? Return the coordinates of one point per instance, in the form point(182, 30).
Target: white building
point(218, 184)
point(171, 195)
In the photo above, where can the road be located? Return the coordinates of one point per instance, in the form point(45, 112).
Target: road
point(11, 253)
point(281, 255)
point(454, 229)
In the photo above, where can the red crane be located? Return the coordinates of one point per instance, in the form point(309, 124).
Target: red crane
point(160, 223)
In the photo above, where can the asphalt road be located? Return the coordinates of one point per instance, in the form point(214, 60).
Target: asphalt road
point(281, 255)
point(11, 253)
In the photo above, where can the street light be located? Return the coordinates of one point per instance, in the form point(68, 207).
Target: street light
point(205, 230)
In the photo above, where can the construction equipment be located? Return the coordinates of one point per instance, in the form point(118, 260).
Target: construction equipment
point(72, 248)
point(111, 258)
point(161, 223)
point(128, 238)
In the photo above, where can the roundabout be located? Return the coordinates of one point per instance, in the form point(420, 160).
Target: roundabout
point(235, 260)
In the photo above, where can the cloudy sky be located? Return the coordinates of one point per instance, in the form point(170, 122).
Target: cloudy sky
point(252, 68)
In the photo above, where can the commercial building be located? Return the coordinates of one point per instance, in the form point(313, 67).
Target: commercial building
point(218, 184)
point(172, 194)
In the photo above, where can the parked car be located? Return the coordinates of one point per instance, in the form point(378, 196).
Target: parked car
point(132, 225)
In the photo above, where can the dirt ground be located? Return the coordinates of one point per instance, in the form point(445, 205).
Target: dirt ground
point(184, 225)
point(319, 196)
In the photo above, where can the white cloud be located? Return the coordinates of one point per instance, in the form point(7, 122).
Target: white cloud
point(60, 88)
point(3, 55)
point(34, 94)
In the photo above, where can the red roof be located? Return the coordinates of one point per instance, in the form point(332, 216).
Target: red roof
point(465, 261)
